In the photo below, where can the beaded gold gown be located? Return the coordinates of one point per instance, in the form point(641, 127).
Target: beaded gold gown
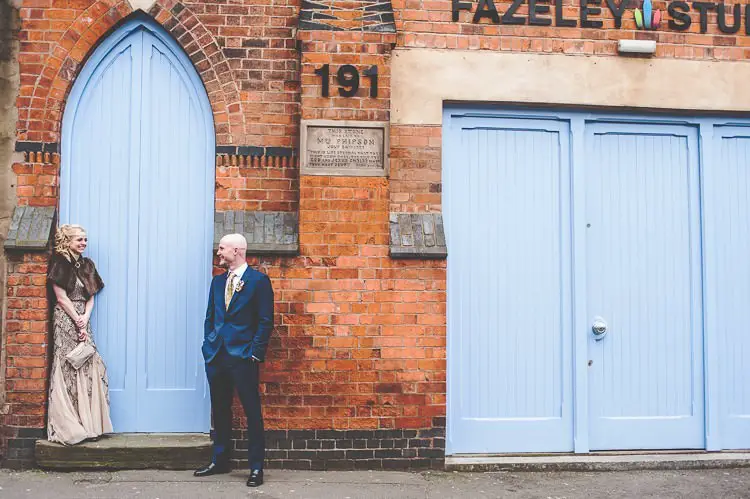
point(78, 398)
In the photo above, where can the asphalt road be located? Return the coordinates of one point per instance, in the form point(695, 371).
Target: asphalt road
point(699, 484)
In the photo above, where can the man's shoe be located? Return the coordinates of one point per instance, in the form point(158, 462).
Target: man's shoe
point(212, 469)
point(256, 478)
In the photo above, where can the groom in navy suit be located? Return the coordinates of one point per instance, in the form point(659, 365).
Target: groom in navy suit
point(239, 321)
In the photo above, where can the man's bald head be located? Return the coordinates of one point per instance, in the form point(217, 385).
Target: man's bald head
point(232, 251)
point(235, 241)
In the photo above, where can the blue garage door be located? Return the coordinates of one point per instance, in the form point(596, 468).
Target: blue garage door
point(582, 249)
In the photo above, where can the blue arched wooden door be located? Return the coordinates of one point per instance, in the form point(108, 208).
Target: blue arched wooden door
point(137, 172)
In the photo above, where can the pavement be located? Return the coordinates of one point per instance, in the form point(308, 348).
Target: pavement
point(154, 484)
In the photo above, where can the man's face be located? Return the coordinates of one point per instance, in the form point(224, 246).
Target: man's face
point(226, 253)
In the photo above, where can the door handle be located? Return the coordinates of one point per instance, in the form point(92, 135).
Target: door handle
point(599, 328)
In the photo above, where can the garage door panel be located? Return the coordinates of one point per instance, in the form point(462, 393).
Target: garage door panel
point(510, 314)
point(727, 247)
point(643, 279)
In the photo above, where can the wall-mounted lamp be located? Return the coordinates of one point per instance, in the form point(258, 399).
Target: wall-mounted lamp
point(641, 47)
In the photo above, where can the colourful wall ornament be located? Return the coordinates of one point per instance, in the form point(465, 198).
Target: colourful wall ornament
point(648, 18)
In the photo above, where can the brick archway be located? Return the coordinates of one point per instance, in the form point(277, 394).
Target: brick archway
point(40, 114)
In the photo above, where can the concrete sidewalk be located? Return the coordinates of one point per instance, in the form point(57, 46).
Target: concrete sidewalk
point(699, 484)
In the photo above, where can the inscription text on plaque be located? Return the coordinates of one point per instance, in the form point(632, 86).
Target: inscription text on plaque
point(344, 148)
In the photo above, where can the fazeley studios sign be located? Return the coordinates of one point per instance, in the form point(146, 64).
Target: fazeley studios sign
point(550, 12)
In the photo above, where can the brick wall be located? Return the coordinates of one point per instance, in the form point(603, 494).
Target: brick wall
point(244, 54)
point(257, 42)
point(360, 341)
point(26, 324)
point(37, 179)
point(23, 418)
point(429, 23)
point(360, 49)
point(357, 376)
point(256, 183)
point(416, 168)
point(353, 449)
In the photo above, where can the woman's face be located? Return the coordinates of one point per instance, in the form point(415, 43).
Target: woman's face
point(78, 242)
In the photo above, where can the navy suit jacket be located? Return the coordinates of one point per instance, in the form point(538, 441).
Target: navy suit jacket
point(245, 327)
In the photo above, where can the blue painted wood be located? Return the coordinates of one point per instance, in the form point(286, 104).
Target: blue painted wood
point(669, 236)
point(96, 163)
point(710, 342)
point(580, 316)
point(137, 172)
point(727, 246)
point(643, 277)
point(506, 183)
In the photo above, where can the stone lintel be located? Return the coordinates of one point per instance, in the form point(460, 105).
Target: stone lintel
point(30, 228)
point(267, 232)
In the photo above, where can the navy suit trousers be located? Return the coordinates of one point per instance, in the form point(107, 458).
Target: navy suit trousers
point(225, 373)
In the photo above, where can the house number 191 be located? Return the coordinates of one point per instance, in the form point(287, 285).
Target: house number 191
point(348, 79)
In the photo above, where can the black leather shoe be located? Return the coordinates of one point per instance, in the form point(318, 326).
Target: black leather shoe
point(256, 478)
point(211, 469)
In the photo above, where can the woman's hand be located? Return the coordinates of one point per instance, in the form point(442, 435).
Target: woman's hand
point(80, 322)
point(82, 334)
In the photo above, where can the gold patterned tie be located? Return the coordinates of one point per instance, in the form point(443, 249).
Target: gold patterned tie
point(229, 291)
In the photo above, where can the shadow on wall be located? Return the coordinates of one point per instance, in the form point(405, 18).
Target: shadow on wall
point(9, 82)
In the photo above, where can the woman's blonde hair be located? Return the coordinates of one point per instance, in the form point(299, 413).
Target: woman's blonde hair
point(63, 236)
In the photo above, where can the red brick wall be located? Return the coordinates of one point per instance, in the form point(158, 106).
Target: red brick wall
point(428, 23)
point(256, 39)
point(256, 183)
point(27, 315)
point(337, 48)
point(360, 341)
point(244, 54)
point(37, 179)
point(27, 343)
point(416, 168)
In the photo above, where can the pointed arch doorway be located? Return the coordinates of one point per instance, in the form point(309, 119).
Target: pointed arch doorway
point(137, 172)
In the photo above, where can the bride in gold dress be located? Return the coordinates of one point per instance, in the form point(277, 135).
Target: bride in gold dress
point(78, 392)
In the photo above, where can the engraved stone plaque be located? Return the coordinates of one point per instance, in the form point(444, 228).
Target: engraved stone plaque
point(345, 148)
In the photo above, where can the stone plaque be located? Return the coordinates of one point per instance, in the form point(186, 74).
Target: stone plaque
point(346, 148)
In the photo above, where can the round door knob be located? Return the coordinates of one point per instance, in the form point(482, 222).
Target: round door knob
point(599, 328)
